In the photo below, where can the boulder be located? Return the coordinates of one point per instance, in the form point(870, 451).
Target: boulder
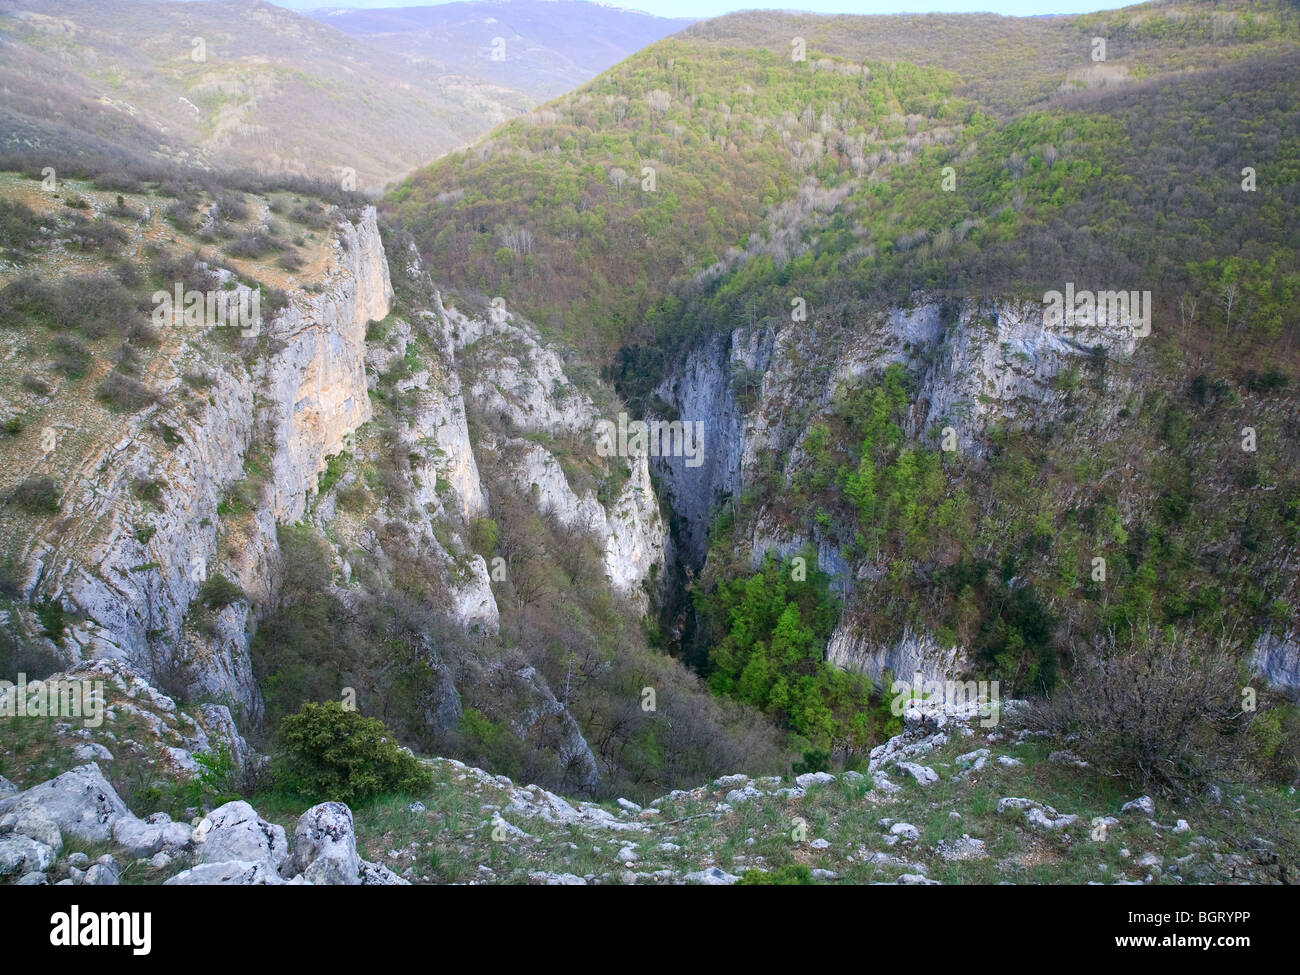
point(813, 778)
point(377, 875)
point(905, 831)
point(102, 875)
point(34, 823)
point(22, 855)
point(234, 833)
point(1037, 814)
point(92, 751)
point(712, 877)
point(79, 801)
point(325, 846)
point(141, 839)
point(1142, 805)
point(231, 873)
point(923, 774)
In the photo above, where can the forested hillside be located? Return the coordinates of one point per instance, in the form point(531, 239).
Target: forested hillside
point(797, 189)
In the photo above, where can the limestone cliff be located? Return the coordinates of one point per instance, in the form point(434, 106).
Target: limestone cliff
point(142, 526)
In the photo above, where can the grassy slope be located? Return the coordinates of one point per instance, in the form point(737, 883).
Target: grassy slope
point(452, 840)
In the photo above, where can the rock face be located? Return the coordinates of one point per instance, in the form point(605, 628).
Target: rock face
point(535, 715)
point(913, 653)
point(301, 398)
point(316, 386)
point(701, 391)
point(1277, 660)
point(631, 530)
point(248, 428)
point(759, 390)
point(522, 381)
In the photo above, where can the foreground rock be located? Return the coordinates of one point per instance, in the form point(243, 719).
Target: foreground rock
point(235, 832)
point(79, 802)
point(238, 848)
point(232, 845)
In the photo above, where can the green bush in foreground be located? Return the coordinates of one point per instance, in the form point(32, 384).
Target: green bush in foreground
point(330, 753)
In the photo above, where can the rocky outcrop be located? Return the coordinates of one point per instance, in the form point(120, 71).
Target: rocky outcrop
point(235, 832)
point(130, 561)
point(1276, 658)
point(985, 361)
point(106, 693)
point(536, 716)
point(325, 846)
point(761, 389)
point(79, 802)
point(631, 530)
point(912, 654)
point(315, 387)
point(520, 382)
point(231, 845)
point(701, 391)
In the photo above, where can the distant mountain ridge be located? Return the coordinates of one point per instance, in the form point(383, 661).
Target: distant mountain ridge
point(547, 46)
point(230, 83)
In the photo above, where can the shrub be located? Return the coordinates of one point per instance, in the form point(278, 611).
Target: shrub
point(198, 380)
point(814, 760)
point(148, 489)
point(20, 228)
point(253, 244)
point(331, 753)
point(53, 620)
point(273, 299)
point(87, 235)
point(310, 214)
point(218, 592)
point(232, 206)
point(95, 304)
point(126, 393)
point(123, 182)
point(26, 299)
point(37, 495)
point(72, 357)
point(35, 384)
point(484, 534)
point(1163, 711)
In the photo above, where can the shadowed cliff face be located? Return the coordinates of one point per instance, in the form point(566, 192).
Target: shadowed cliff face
point(973, 370)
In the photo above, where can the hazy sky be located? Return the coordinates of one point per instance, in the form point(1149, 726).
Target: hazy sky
point(712, 8)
